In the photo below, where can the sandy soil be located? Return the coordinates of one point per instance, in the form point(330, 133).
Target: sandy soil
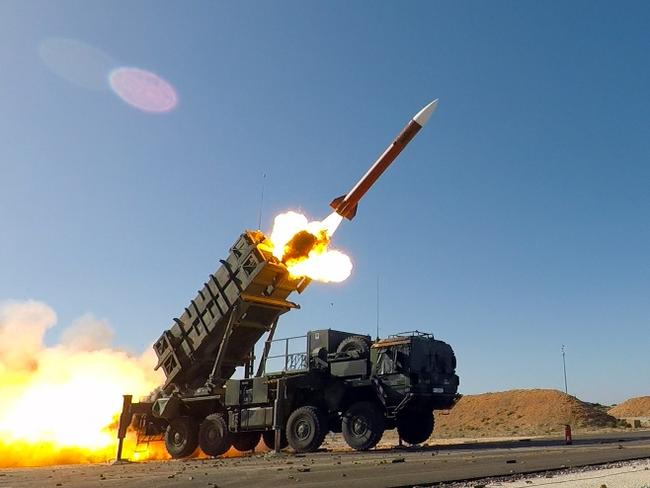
point(520, 413)
point(634, 407)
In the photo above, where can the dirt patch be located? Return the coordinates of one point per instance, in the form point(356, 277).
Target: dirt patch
point(634, 407)
point(519, 412)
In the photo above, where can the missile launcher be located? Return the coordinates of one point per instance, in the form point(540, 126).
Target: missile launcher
point(240, 302)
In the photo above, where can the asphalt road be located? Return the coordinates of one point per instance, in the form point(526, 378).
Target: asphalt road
point(377, 468)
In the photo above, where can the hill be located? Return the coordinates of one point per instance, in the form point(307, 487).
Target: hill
point(634, 407)
point(519, 412)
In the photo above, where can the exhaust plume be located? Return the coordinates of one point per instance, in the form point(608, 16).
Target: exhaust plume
point(303, 246)
point(60, 403)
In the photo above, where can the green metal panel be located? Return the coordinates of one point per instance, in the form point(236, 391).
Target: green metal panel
point(354, 367)
point(260, 390)
point(232, 392)
point(256, 418)
point(251, 282)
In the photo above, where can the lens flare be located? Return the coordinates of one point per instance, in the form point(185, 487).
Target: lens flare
point(303, 246)
point(143, 90)
point(77, 62)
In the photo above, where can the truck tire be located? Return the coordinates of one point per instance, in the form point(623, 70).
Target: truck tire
point(214, 438)
point(182, 437)
point(245, 441)
point(269, 439)
point(306, 429)
point(415, 427)
point(354, 343)
point(363, 425)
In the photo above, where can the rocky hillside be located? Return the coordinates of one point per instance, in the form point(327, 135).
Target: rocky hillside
point(519, 412)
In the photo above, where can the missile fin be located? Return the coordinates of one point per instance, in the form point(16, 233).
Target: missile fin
point(337, 201)
point(351, 212)
point(344, 210)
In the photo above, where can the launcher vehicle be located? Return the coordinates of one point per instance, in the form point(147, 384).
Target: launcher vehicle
point(333, 381)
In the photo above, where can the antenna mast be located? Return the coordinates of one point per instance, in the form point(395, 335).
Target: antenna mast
point(377, 307)
point(259, 216)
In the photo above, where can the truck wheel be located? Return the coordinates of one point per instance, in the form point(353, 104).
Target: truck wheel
point(415, 427)
point(354, 343)
point(306, 429)
point(245, 441)
point(269, 439)
point(363, 426)
point(181, 437)
point(214, 437)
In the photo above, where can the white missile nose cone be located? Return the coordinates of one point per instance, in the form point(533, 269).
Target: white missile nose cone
point(423, 115)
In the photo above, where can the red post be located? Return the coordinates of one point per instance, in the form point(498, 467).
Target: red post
point(568, 440)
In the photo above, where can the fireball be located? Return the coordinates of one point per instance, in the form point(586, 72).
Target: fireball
point(303, 246)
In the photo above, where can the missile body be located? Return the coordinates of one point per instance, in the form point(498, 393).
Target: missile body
point(346, 205)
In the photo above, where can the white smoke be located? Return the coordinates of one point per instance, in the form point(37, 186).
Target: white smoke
point(87, 333)
point(22, 327)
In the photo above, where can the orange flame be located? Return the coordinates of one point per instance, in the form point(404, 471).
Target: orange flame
point(303, 246)
point(60, 404)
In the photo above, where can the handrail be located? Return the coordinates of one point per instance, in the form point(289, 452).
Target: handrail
point(412, 333)
point(293, 361)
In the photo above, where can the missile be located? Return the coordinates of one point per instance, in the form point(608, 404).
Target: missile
point(346, 205)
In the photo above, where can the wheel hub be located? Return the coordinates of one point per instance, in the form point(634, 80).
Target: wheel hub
point(359, 426)
point(303, 430)
point(178, 438)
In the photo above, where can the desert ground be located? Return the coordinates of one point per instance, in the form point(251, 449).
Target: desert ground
point(382, 467)
point(515, 436)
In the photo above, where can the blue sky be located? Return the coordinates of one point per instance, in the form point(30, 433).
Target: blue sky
point(516, 222)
